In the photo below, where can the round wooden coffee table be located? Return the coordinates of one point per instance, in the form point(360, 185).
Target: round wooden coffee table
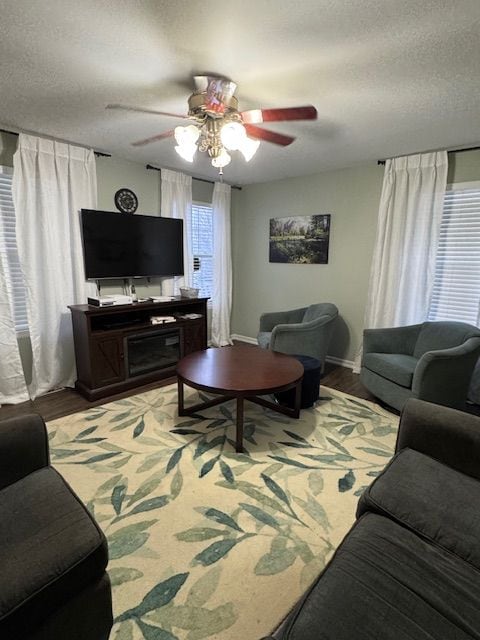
point(239, 372)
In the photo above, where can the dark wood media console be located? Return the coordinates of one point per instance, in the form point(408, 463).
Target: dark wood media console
point(117, 347)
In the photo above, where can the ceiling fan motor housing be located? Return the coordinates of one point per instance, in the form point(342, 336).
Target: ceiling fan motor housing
point(200, 104)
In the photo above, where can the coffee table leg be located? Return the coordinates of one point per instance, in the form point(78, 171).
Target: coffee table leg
point(180, 398)
point(298, 398)
point(239, 447)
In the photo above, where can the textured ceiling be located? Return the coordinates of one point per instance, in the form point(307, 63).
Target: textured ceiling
point(388, 77)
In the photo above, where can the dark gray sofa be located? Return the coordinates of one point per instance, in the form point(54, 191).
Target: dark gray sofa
point(53, 584)
point(409, 569)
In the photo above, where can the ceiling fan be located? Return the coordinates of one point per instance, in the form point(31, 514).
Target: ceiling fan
point(218, 126)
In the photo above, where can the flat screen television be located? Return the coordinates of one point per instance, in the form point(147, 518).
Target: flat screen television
point(122, 245)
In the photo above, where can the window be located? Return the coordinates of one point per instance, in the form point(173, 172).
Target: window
point(9, 252)
point(202, 246)
point(456, 291)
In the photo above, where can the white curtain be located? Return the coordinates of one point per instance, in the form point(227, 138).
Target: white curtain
point(52, 181)
point(12, 381)
point(222, 266)
point(176, 202)
point(403, 264)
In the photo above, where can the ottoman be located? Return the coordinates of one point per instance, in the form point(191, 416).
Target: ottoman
point(310, 384)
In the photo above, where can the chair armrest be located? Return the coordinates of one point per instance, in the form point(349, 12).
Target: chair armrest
point(269, 320)
point(444, 375)
point(23, 447)
point(300, 327)
point(281, 333)
point(448, 435)
point(392, 340)
point(304, 338)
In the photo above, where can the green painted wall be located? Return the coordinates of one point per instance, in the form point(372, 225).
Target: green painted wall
point(352, 197)
point(8, 144)
point(464, 167)
point(115, 173)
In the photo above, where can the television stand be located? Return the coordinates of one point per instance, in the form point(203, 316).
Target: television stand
point(118, 324)
point(118, 348)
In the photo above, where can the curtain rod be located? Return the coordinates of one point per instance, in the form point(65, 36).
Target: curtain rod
point(461, 150)
point(100, 154)
point(152, 168)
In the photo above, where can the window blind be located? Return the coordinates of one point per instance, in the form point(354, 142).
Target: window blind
point(456, 290)
point(202, 246)
point(9, 251)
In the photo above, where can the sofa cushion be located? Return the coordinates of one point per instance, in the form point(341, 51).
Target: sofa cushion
point(397, 367)
point(51, 549)
point(386, 582)
point(264, 338)
point(443, 335)
point(435, 501)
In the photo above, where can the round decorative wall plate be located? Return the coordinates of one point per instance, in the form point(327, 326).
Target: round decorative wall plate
point(126, 201)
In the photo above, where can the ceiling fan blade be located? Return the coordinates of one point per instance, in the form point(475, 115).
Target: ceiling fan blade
point(159, 136)
point(268, 136)
point(257, 116)
point(125, 107)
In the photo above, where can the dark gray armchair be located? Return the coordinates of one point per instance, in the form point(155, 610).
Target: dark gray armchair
point(306, 331)
point(53, 583)
point(432, 361)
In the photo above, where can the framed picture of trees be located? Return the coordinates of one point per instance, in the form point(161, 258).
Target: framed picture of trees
point(300, 239)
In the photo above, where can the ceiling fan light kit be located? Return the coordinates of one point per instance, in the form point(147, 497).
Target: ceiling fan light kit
point(186, 138)
point(218, 125)
point(217, 137)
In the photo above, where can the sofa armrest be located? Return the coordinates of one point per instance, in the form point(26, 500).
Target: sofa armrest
point(392, 340)
point(23, 447)
point(269, 320)
point(448, 435)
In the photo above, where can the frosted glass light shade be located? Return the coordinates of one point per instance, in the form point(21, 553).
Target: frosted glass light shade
point(186, 151)
point(186, 138)
point(187, 135)
point(233, 135)
point(221, 160)
point(249, 148)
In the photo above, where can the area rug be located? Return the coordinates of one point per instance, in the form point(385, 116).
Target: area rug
point(207, 543)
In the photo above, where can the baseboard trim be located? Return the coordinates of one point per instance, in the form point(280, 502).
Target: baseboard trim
point(349, 364)
point(240, 338)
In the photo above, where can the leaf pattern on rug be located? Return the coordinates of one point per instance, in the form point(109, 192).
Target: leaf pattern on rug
point(200, 536)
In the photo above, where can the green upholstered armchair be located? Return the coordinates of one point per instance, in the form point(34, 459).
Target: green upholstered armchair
point(432, 361)
point(306, 331)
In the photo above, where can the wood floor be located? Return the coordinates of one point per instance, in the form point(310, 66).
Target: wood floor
point(63, 403)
